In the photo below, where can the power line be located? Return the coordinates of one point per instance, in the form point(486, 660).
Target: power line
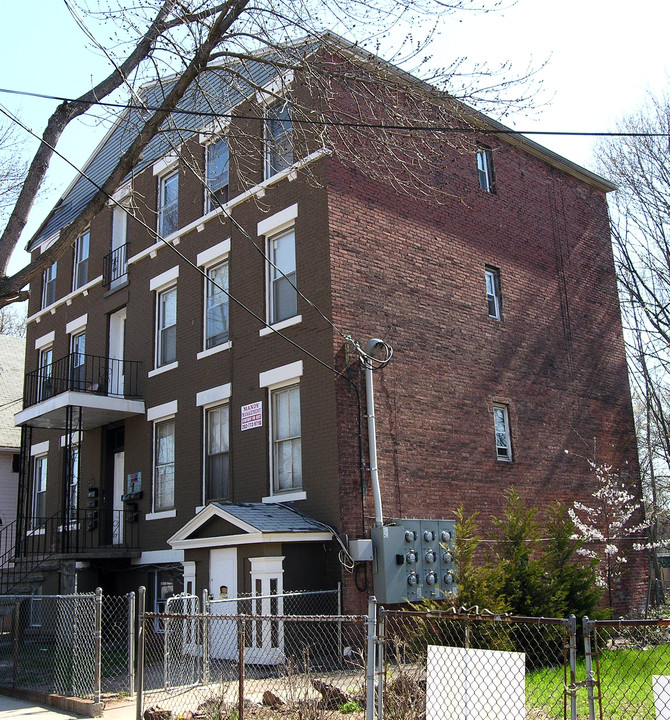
point(342, 123)
point(159, 237)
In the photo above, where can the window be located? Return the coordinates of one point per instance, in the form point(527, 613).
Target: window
point(45, 373)
point(73, 483)
point(217, 163)
point(78, 362)
point(493, 292)
point(282, 296)
point(168, 204)
point(49, 285)
point(80, 275)
point(278, 138)
point(485, 169)
point(115, 265)
point(216, 310)
point(36, 608)
point(166, 327)
point(164, 465)
point(502, 433)
point(286, 439)
point(217, 466)
point(38, 507)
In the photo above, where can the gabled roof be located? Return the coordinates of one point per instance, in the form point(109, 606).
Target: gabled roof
point(256, 522)
point(219, 90)
point(12, 352)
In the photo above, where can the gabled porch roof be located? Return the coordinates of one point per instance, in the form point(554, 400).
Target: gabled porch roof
point(232, 524)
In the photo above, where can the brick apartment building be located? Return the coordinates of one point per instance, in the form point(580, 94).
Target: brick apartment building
point(172, 438)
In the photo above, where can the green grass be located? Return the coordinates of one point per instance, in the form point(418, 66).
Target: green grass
point(625, 684)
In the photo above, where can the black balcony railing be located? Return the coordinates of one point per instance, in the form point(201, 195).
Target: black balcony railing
point(80, 372)
point(115, 266)
point(29, 542)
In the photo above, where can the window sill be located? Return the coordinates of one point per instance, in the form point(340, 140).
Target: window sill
point(161, 515)
point(280, 325)
point(214, 350)
point(163, 368)
point(285, 497)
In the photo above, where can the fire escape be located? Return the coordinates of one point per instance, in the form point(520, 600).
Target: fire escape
point(71, 396)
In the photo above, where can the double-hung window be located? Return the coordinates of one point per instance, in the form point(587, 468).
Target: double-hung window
point(493, 297)
point(216, 299)
point(81, 249)
point(38, 508)
point(73, 483)
point(166, 326)
point(49, 285)
point(282, 295)
point(278, 138)
point(286, 439)
point(46, 389)
point(217, 171)
point(168, 204)
point(78, 362)
point(164, 454)
point(217, 450)
point(485, 169)
point(502, 432)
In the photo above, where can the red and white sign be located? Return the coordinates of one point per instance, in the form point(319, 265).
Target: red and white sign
point(252, 415)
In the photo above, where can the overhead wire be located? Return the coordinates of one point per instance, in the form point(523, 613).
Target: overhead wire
point(160, 238)
point(345, 123)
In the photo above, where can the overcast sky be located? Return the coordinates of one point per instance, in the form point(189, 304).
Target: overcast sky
point(604, 57)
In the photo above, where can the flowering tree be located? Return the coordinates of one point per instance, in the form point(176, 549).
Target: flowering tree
point(611, 519)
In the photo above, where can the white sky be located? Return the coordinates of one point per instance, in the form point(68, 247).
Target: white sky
point(605, 56)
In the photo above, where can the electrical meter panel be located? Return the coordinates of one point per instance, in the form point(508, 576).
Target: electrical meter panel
point(412, 560)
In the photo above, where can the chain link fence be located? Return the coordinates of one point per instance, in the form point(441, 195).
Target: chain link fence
point(74, 645)
point(225, 663)
point(474, 667)
point(629, 661)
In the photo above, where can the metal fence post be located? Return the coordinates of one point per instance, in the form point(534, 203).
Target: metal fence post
point(141, 598)
point(241, 642)
point(205, 637)
point(370, 660)
point(587, 624)
point(381, 640)
point(572, 629)
point(131, 644)
point(98, 645)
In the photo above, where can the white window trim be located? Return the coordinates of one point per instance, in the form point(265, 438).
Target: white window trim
point(165, 165)
point(281, 325)
point(212, 351)
point(74, 326)
point(495, 274)
point(213, 131)
point(74, 438)
point(278, 222)
point(225, 402)
point(163, 412)
point(168, 512)
point(77, 261)
point(283, 375)
point(285, 497)
point(45, 340)
point(39, 449)
point(214, 395)
point(207, 259)
point(276, 379)
point(275, 89)
point(508, 432)
point(162, 369)
point(160, 514)
point(214, 254)
point(164, 280)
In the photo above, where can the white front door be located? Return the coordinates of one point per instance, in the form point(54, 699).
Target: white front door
point(223, 589)
point(117, 505)
point(118, 266)
point(264, 641)
point(117, 341)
